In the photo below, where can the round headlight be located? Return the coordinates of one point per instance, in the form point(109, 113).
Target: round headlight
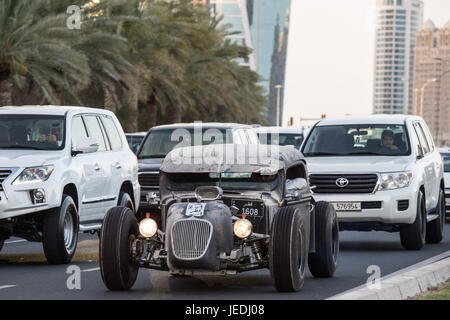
point(148, 227)
point(242, 228)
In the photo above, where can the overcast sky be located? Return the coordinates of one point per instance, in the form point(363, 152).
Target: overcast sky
point(331, 56)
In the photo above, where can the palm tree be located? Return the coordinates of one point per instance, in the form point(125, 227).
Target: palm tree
point(37, 47)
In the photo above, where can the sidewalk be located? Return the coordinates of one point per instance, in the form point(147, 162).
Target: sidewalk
point(404, 285)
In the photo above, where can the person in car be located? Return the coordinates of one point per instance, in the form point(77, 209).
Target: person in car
point(387, 143)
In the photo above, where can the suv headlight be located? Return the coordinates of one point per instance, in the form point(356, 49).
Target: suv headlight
point(395, 180)
point(34, 174)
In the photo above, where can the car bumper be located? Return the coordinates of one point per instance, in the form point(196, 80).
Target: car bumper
point(388, 207)
point(18, 200)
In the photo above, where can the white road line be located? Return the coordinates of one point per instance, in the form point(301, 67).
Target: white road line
point(6, 287)
point(15, 241)
point(90, 270)
point(407, 269)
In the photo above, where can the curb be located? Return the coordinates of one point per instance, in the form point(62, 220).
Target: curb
point(403, 286)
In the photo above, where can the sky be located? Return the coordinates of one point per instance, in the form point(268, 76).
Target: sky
point(331, 56)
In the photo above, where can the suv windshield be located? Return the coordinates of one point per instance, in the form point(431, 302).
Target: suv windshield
point(348, 140)
point(39, 132)
point(284, 139)
point(160, 142)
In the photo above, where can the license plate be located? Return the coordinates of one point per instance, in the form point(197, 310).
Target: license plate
point(252, 209)
point(195, 209)
point(347, 206)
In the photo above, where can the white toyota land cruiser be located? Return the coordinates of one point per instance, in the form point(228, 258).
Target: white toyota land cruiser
point(61, 169)
point(381, 173)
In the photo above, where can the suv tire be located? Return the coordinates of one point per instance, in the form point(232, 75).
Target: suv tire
point(288, 250)
point(435, 228)
point(60, 232)
point(125, 200)
point(412, 236)
point(323, 262)
point(119, 229)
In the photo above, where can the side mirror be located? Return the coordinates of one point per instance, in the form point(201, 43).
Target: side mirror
point(419, 152)
point(86, 145)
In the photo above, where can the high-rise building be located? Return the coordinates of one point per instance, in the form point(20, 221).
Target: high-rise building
point(432, 80)
point(269, 25)
point(397, 22)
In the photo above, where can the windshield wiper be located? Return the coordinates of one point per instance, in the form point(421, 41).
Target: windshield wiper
point(22, 147)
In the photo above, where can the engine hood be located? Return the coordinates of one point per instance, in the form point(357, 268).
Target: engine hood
point(151, 164)
point(28, 158)
point(357, 164)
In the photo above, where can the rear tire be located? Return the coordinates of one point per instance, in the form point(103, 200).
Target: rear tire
point(119, 229)
point(435, 228)
point(412, 236)
point(323, 262)
point(60, 232)
point(288, 250)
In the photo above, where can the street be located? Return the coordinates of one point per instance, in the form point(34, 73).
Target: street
point(24, 273)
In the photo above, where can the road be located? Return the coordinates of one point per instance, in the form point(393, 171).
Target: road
point(24, 273)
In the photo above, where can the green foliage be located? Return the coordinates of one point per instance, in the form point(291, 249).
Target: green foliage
point(172, 56)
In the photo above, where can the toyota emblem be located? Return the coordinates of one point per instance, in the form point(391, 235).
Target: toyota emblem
point(342, 182)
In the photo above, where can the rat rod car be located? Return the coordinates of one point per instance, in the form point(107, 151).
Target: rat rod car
point(226, 209)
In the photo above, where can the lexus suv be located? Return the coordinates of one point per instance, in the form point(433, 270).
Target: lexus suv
point(162, 139)
point(61, 169)
point(381, 173)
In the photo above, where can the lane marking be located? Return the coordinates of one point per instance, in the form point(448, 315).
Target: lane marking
point(418, 265)
point(90, 270)
point(7, 286)
point(15, 241)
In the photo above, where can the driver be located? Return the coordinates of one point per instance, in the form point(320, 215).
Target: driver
point(387, 143)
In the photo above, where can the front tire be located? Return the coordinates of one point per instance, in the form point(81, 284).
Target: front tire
point(118, 269)
point(60, 232)
point(288, 250)
point(435, 228)
point(412, 236)
point(323, 262)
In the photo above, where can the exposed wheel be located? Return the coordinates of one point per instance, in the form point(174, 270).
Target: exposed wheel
point(435, 228)
point(412, 236)
point(288, 250)
point(60, 232)
point(118, 268)
point(323, 262)
point(125, 200)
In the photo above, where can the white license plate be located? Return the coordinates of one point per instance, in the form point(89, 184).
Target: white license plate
point(347, 206)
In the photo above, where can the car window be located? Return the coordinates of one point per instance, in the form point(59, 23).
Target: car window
point(112, 132)
point(446, 157)
point(95, 131)
point(428, 136)
point(357, 139)
point(252, 137)
point(78, 130)
point(422, 140)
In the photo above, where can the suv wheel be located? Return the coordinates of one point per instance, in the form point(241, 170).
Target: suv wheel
point(288, 250)
point(60, 232)
point(412, 236)
point(118, 268)
point(435, 228)
point(125, 201)
point(323, 262)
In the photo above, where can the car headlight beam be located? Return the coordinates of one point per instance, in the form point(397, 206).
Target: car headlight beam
point(242, 228)
point(148, 227)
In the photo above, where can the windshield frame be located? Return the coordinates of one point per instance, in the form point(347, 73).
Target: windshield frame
point(42, 117)
point(405, 125)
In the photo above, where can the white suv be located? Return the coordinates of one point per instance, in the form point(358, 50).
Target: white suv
point(61, 169)
point(381, 173)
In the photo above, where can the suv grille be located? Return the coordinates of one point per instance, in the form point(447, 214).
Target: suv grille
point(149, 180)
point(191, 238)
point(357, 183)
point(3, 175)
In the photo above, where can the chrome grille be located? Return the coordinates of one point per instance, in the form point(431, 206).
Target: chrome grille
point(3, 175)
point(191, 238)
point(357, 183)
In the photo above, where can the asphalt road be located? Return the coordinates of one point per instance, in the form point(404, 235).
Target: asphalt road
point(24, 273)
